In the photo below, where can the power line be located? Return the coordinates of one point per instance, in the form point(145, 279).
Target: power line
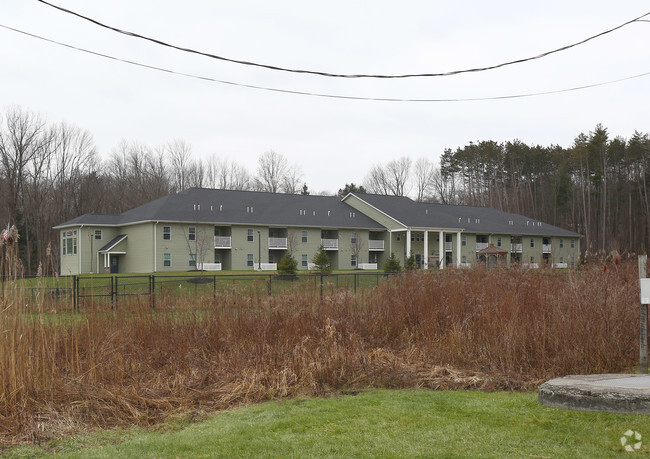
point(314, 94)
point(339, 75)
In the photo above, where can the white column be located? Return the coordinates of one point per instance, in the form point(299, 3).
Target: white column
point(426, 250)
point(390, 243)
point(458, 258)
point(408, 244)
point(441, 248)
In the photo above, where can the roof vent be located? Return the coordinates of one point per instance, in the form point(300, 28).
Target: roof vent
point(328, 213)
point(211, 209)
point(220, 207)
point(313, 213)
point(426, 211)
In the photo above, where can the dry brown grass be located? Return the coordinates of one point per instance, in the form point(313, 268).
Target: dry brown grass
point(460, 329)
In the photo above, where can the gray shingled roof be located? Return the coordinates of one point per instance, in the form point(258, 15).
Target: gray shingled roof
point(203, 205)
point(468, 218)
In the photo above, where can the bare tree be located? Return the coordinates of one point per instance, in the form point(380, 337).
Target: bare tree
point(356, 247)
point(423, 175)
point(226, 175)
point(179, 154)
point(275, 174)
point(389, 180)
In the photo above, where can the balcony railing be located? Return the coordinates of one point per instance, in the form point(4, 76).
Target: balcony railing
point(278, 243)
point(448, 247)
point(515, 248)
point(546, 248)
point(481, 246)
point(222, 242)
point(209, 266)
point(330, 244)
point(375, 245)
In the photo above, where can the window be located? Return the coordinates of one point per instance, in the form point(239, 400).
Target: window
point(304, 260)
point(192, 259)
point(304, 235)
point(412, 237)
point(167, 232)
point(353, 238)
point(353, 260)
point(463, 240)
point(191, 233)
point(167, 259)
point(217, 257)
point(561, 259)
point(573, 244)
point(249, 259)
point(532, 259)
point(250, 236)
point(69, 242)
point(98, 235)
point(464, 259)
point(399, 237)
point(561, 243)
point(532, 243)
point(499, 242)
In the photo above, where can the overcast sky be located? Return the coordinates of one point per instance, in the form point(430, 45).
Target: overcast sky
point(333, 141)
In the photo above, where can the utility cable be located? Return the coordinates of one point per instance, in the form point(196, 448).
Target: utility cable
point(339, 75)
point(314, 94)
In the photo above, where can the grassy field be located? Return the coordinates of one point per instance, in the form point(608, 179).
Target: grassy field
point(379, 423)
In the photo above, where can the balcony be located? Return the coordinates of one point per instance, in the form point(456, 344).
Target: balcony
point(330, 244)
point(222, 242)
point(377, 246)
point(277, 243)
point(481, 245)
point(448, 247)
point(546, 248)
point(515, 248)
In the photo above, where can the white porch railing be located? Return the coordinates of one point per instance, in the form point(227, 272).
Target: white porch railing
point(448, 247)
point(560, 265)
point(464, 265)
point(330, 244)
point(209, 266)
point(530, 265)
point(367, 265)
point(277, 243)
point(546, 248)
point(311, 266)
point(515, 248)
point(222, 242)
point(481, 246)
point(266, 266)
point(375, 245)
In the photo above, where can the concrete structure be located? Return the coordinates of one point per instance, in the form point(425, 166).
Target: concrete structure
point(246, 230)
point(617, 393)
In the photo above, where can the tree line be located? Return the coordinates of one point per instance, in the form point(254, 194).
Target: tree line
point(52, 172)
point(597, 187)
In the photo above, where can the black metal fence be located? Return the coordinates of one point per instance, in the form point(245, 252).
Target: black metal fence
point(113, 289)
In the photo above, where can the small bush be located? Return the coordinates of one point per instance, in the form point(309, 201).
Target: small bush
point(288, 265)
point(392, 264)
point(322, 260)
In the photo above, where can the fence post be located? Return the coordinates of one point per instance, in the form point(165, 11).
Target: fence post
point(355, 282)
point(214, 287)
point(113, 291)
point(270, 280)
point(321, 284)
point(643, 331)
point(75, 293)
point(152, 290)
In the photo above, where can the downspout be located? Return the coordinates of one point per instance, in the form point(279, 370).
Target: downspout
point(155, 247)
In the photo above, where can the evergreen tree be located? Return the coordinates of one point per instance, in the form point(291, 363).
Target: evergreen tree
point(392, 264)
point(322, 261)
point(288, 265)
point(410, 263)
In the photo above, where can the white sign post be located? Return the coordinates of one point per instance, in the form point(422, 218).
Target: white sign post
point(645, 300)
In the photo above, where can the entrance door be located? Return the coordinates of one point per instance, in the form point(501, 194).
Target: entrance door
point(418, 261)
point(114, 264)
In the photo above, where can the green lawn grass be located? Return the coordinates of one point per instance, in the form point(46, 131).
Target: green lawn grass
point(378, 423)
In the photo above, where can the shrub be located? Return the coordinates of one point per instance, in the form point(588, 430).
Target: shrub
point(288, 265)
point(322, 261)
point(410, 263)
point(392, 264)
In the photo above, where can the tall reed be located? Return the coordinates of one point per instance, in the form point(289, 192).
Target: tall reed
point(474, 329)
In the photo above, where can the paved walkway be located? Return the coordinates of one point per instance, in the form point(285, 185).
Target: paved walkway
point(618, 393)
